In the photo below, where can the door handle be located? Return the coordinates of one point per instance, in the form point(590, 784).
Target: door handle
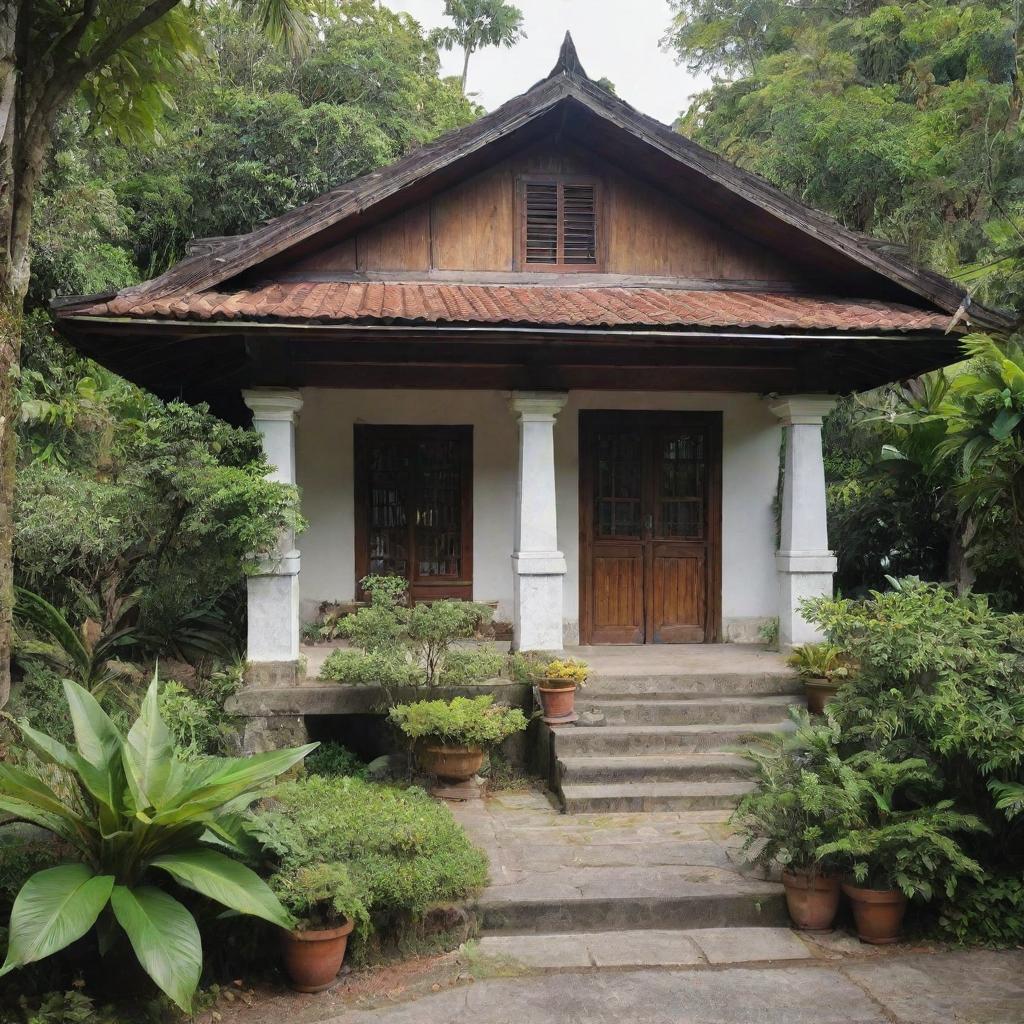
point(649, 523)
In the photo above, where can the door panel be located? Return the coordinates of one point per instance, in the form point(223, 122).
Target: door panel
point(678, 611)
point(649, 527)
point(618, 577)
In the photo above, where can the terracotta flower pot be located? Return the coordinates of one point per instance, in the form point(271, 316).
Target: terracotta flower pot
point(556, 701)
point(877, 913)
point(313, 958)
point(812, 902)
point(819, 692)
point(449, 761)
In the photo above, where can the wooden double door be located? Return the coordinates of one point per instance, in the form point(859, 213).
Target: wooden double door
point(650, 527)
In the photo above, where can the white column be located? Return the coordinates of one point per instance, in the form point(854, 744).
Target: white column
point(538, 566)
point(273, 592)
point(804, 561)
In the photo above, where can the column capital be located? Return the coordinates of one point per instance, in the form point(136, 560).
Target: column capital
point(810, 409)
point(537, 405)
point(270, 404)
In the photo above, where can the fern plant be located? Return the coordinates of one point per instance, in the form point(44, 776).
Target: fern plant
point(884, 841)
point(794, 807)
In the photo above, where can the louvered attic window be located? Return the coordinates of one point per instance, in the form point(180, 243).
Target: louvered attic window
point(559, 219)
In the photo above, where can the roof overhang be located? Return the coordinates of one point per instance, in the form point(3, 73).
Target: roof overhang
point(214, 361)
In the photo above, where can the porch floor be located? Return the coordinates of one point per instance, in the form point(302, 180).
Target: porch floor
point(636, 661)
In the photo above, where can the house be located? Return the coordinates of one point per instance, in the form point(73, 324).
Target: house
point(562, 359)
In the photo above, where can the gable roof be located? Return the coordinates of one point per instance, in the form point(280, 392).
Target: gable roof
point(558, 102)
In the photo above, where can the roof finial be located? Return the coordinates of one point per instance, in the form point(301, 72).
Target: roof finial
point(568, 61)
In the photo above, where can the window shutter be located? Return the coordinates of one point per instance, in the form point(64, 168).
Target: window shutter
point(579, 224)
point(541, 222)
point(560, 224)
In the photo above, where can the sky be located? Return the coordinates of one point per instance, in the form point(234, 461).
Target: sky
point(614, 39)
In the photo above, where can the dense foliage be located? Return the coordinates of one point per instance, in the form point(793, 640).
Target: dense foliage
point(939, 680)
point(821, 804)
point(902, 119)
point(132, 813)
point(402, 851)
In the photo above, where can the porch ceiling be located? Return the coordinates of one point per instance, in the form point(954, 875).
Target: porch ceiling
point(213, 361)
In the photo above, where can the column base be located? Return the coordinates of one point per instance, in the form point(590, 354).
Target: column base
point(273, 618)
point(802, 574)
point(537, 613)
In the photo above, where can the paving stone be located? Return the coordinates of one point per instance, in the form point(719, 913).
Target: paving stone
point(788, 995)
point(649, 948)
point(976, 987)
point(744, 945)
point(555, 951)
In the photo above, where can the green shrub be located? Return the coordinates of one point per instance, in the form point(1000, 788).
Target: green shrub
point(528, 666)
point(332, 759)
point(466, 721)
point(989, 912)
point(196, 718)
point(357, 668)
point(385, 591)
point(39, 699)
point(404, 851)
point(433, 628)
point(379, 629)
point(24, 850)
point(938, 676)
point(464, 665)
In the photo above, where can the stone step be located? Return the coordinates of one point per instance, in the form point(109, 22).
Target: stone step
point(658, 739)
point(655, 947)
point(673, 685)
point(691, 711)
point(615, 899)
point(607, 798)
point(713, 767)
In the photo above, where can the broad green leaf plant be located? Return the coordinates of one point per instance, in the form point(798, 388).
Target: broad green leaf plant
point(136, 813)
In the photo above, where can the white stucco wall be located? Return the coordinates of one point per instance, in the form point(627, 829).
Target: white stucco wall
point(751, 436)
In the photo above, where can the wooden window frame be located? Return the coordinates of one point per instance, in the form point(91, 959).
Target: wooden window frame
point(420, 588)
point(600, 220)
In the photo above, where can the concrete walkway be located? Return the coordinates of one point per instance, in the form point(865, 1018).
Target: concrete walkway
point(978, 987)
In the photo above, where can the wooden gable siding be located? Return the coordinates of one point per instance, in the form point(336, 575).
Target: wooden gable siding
point(472, 227)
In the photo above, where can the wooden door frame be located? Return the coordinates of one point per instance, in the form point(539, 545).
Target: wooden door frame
point(712, 421)
point(440, 588)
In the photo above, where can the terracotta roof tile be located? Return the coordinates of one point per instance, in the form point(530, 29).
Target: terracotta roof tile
point(584, 306)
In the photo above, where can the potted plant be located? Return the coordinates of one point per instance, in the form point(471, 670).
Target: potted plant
point(894, 855)
point(820, 666)
point(562, 677)
point(789, 815)
point(450, 736)
point(327, 906)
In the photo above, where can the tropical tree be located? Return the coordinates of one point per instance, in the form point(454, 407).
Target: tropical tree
point(135, 813)
point(900, 119)
point(115, 55)
point(479, 23)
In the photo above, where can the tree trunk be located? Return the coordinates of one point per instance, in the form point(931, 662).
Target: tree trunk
point(466, 54)
point(10, 336)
